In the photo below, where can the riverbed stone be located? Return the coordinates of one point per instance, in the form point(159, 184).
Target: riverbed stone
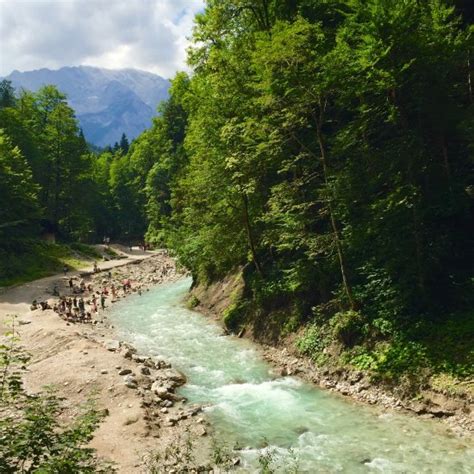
point(130, 381)
point(161, 363)
point(172, 375)
point(145, 370)
point(159, 390)
point(112, 345)
point(125, 372)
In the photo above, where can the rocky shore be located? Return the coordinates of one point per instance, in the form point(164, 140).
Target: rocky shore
point(457, 412)
point(148, 426)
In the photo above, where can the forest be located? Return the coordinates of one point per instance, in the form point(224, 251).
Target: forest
point(321, 149)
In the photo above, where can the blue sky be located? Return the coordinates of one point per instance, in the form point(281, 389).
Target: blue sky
point(143, 34)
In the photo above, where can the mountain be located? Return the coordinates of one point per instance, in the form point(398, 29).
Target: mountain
point(107, 102)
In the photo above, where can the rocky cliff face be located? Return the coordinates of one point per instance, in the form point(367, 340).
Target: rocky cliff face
point(107, 102)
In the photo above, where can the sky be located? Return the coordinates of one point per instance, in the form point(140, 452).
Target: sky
point(143, 34)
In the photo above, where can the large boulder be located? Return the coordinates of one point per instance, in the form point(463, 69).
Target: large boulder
point(160, 391)
point(173, 375)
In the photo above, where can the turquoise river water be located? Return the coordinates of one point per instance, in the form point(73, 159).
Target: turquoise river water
point(295, 423)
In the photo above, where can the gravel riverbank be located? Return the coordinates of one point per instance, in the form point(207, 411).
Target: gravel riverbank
point(82, 360)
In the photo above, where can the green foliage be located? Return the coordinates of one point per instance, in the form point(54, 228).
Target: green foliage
point(19, 210)
point(31, 437)
point(325, 147)
point(32, 259)
point(234, 315)
point(192, 302)
point(347, 327)
point(314, 342)
point(54, 164)
point(180, 454)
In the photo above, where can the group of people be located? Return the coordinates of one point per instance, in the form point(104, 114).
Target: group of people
point(73, 309)
point(80, 300)
point(42, 304)
point(83, 301)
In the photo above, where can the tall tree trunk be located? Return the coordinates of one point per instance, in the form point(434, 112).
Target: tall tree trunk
point(250, 237)
point(335, 229)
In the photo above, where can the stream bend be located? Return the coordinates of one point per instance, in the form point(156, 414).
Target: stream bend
point(295, 423)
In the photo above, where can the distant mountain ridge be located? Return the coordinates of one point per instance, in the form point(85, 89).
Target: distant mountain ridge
point(108, 102)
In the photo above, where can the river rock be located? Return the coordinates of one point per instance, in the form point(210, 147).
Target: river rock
point(129, 350)
point(146, 401)
point(173, 375)
point(125, 372)
point(355, 377)
point(418, 407)
point(159, 390)
point(112, 345)
point(145, 370)
point(170, 422)
point(160, 363)
point(130, 381)
point(440, 411)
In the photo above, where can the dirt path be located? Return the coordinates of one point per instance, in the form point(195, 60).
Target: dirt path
point(86, 360)
point(17, 299)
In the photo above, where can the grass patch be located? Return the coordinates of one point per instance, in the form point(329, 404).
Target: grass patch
point(192, 302)
point(110, 252)
point(437, 353)
point(85, 250)
point(36, 259)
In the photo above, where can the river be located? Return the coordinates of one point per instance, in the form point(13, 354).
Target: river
point(297, 426)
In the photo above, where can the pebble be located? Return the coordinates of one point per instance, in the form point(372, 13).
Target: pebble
point(125, 372)
point(130, 382)
point(104, 371)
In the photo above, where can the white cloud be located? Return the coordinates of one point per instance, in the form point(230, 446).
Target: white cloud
point(144, 34)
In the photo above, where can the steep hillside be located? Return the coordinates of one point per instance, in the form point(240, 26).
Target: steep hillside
point(107, 102)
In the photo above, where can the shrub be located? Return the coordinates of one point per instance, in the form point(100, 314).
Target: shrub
point(347, 327)
point(234, 315)
point(31, 437)
point(192, 302)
